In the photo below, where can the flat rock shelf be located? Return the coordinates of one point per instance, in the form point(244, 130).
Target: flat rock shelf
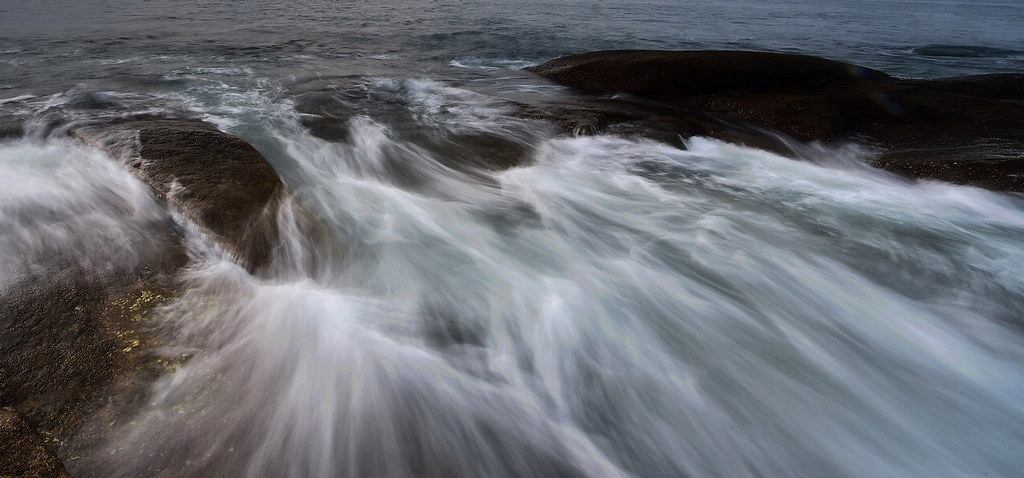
point(965, 130)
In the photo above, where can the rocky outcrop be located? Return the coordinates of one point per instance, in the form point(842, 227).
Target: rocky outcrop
point(23, 451)
point(76, 341)
point(964, 130)
point(74, 336)
point(325, 114)
point(327, 111)
point(682, 74)
point(219, 181)
point(70, 334)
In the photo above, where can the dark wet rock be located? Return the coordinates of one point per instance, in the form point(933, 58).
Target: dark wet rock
point(23, 451)
point(224, 185)
point(994, 86)
point(925, 128)
point(327, 110)
point(78, 344)
point(11, 128)
point(445, 326)
point(667, 74)
point(70, 332)
point(654, 121)
point(74, 312)
point(991, 163)
point(218, 180)
point(473, 150)
point(325, 114)
point(92, 100)
point(508, 216)
point(326, 105)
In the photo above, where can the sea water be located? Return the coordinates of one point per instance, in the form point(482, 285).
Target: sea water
point(610, 307)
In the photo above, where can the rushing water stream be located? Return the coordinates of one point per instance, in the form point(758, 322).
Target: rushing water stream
point(611, 307)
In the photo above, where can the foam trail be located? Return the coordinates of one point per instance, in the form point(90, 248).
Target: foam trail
point(462, 290)
point(615, 308)
point(66, 205)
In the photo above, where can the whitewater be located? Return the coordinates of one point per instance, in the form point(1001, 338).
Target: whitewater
point(609, 306)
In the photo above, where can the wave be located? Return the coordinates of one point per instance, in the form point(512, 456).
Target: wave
point(647, 311)
point(607, 306)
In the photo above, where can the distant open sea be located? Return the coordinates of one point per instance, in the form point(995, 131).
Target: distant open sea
point(612, 307)
point(51, 45)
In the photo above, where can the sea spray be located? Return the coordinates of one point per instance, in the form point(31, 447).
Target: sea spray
point(65, 204)
point(652, 311)
point(490, 296)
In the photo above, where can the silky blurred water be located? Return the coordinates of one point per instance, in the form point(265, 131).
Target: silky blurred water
point(610, 307)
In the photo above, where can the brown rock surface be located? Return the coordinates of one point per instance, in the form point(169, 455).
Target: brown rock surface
point(962, 130)
point(74, 333)
point(70, 332)
point(218, 180)
point(23, 451)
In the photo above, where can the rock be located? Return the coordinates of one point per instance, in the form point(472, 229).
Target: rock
point(11, 128)
point(654, 121)
point(23, 451)
point(927, 128)
point(76, 344)
point(74, 313)
point(688, 73)
point(325, 113)
point(219, 181)
point(73, 339)
point(473, 151)
point(69, 334)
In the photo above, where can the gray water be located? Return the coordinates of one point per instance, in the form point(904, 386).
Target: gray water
point(612, 307)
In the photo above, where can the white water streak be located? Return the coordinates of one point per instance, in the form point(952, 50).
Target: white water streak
point(635, 309)
point(63, 203)
point(612, 307)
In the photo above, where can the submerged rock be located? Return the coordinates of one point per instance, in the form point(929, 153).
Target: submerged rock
point(11, 128)
point(23, 451)
point(927, 128)
point(326, 115)
point(328, 110)
point(654, 121)
point(219, 181)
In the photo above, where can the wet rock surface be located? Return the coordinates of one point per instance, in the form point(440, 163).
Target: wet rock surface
point(72, 331)
point(11, 128)
point(23, 451)
point(967, 130)
point(659, 122)
point(77, 340)
point(327, 112)
point(683, 74)
point(219, 181)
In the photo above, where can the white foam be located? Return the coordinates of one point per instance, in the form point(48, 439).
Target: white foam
point(63, 201)
point(16, 99)
point(626, 305)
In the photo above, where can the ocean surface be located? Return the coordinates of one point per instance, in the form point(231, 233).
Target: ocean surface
point(611, 307)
